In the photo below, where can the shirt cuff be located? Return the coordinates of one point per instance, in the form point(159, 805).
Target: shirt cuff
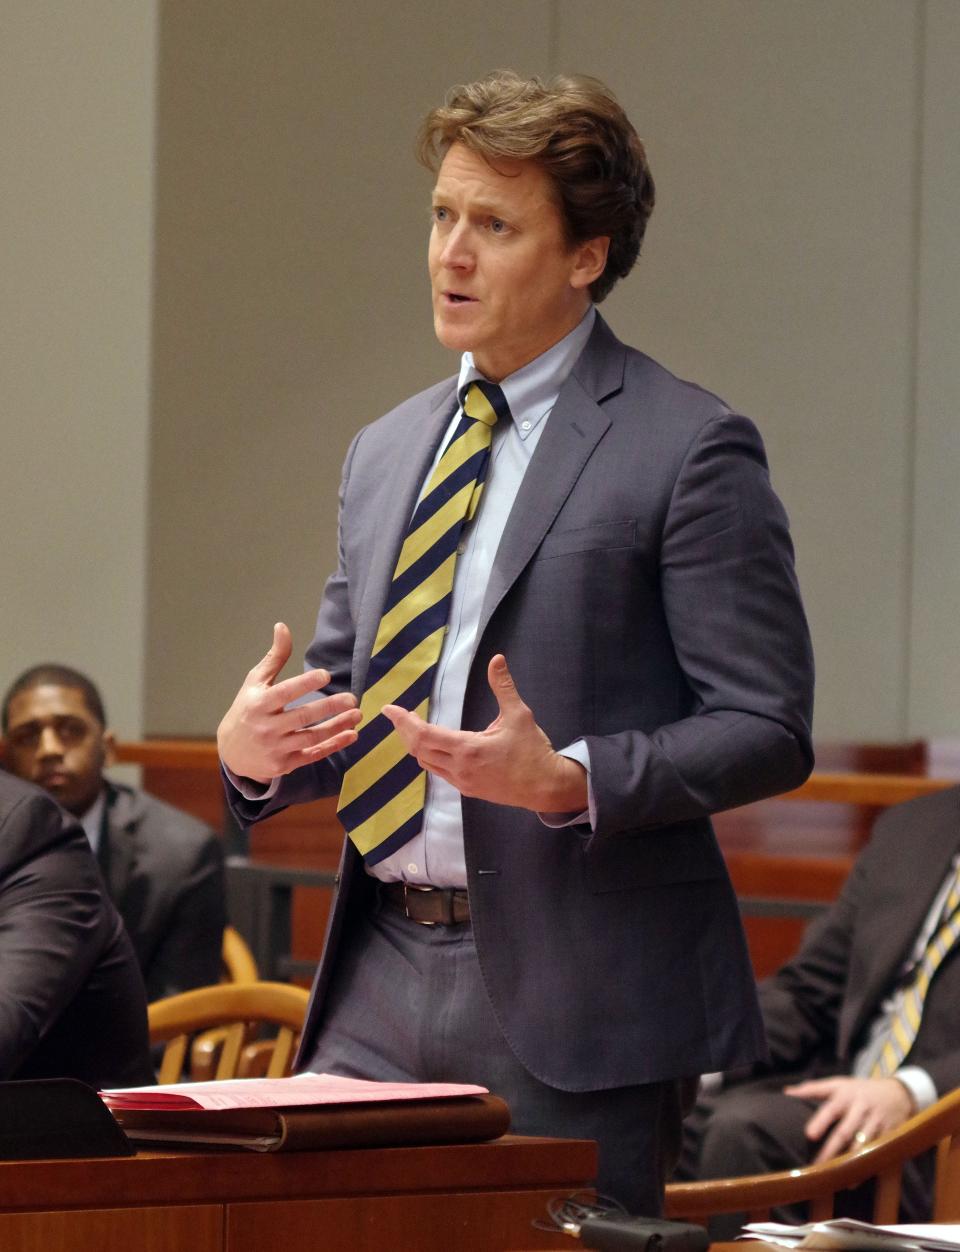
point(579, 752)
point(919, 1083)
point(249, 789)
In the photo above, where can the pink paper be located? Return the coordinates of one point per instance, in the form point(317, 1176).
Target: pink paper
point(298, 1090)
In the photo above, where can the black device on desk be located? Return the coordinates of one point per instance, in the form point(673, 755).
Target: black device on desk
point(603, 1224)
point(55, 1118)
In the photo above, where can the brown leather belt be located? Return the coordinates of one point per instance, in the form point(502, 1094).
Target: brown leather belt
point(430, 906)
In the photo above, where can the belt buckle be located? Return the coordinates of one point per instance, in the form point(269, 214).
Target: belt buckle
point(407, 888)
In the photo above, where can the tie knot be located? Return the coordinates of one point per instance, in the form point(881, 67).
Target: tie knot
point(484, 402)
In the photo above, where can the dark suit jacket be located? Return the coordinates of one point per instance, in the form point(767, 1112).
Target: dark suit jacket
point(644, 596)
point(819, 1006)
point(164, 872)
point(72, 1003)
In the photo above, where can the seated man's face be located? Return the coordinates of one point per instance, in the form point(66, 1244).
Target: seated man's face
point(54, 740)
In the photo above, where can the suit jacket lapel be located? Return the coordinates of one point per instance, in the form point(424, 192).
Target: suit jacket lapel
point(574, 428)
point(116, 852)
point(890, 932)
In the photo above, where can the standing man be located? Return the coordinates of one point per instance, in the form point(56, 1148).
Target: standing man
point(558, 681)
point(163, 869)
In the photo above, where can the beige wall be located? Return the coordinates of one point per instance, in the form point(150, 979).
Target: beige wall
point(803, 261)
point(76, 175)
point(934, 622)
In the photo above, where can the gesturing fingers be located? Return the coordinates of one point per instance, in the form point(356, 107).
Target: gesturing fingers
point(278, 654)
point(260, 738)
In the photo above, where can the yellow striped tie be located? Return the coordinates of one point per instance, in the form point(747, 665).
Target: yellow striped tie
point(382, 795)
point(905, 1022)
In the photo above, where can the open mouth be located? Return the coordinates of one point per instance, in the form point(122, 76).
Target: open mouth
point(455, 298)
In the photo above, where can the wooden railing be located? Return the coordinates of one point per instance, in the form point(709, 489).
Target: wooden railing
point(785, 855)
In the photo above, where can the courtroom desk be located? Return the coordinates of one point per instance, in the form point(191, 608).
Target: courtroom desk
point(455, 1198)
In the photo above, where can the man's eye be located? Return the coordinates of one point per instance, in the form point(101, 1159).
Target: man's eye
point(440, 214)
point(497, 225)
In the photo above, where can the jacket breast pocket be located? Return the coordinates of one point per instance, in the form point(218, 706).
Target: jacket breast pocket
point(598, 535)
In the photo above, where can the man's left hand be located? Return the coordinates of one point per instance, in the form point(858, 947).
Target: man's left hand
point(511, 762)
point(858, 1109)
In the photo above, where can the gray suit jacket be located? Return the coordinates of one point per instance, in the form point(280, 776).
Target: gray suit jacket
point(164, 872)
point(644, 596)
point(818, 1007)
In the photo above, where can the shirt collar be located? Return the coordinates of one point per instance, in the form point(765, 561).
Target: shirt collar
point(532, 390)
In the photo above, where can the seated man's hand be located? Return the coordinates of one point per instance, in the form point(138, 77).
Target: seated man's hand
point(857, 1109)
point(511, 762)
point(259, 738)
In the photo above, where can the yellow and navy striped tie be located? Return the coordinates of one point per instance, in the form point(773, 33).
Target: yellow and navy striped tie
point(381, 799)
point(905, 1022)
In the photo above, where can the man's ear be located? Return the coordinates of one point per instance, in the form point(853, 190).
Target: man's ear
point(590, 258)
point(109, 742)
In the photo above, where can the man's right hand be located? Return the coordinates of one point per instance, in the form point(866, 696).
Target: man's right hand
point(259, 738)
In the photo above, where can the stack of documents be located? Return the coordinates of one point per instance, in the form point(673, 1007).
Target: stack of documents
point(307, 1111)
point(843, 1234)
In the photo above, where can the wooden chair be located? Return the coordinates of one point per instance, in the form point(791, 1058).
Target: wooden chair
point(937, 1127)
point(238, 965)
point(237, 959)
point(243, 1008)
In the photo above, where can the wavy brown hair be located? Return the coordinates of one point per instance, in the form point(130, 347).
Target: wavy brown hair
point(575, 128)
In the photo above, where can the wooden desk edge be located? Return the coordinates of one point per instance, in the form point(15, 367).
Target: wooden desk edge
point(160, 1178)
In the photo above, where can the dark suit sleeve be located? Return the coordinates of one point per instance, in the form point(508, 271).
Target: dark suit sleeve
point(190, 951)
point(801, 1003)
point(732, 607)
point(52, 923)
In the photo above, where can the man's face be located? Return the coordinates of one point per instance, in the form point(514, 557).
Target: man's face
point(506, 285)
point(54, 740)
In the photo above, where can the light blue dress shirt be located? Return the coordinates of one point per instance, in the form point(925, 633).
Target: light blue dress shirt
point(435, 857)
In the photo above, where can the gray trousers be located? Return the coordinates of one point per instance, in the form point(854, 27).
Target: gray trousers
point(408, 1003)
point(751, 1127)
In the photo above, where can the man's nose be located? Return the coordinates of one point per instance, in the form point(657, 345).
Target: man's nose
point(50, 743)
point(457, 250)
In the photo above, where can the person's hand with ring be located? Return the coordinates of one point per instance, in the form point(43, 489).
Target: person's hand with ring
point(852, 1111)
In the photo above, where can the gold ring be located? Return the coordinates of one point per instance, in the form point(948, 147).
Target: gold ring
point(860, 1138)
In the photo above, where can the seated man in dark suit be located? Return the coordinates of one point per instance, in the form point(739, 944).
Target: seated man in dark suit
point(863, 1023)
point(72, 1003)
point(163, 869)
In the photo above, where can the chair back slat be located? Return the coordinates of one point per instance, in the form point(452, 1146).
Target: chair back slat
point(282, 1053)
point(234, 1039)
point(946, 1205)
point(229, 1018)
point(886, 1195)
point(821, 1207)
point(171, 1066)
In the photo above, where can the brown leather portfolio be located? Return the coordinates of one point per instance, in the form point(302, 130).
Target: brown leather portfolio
point(461, 1119)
